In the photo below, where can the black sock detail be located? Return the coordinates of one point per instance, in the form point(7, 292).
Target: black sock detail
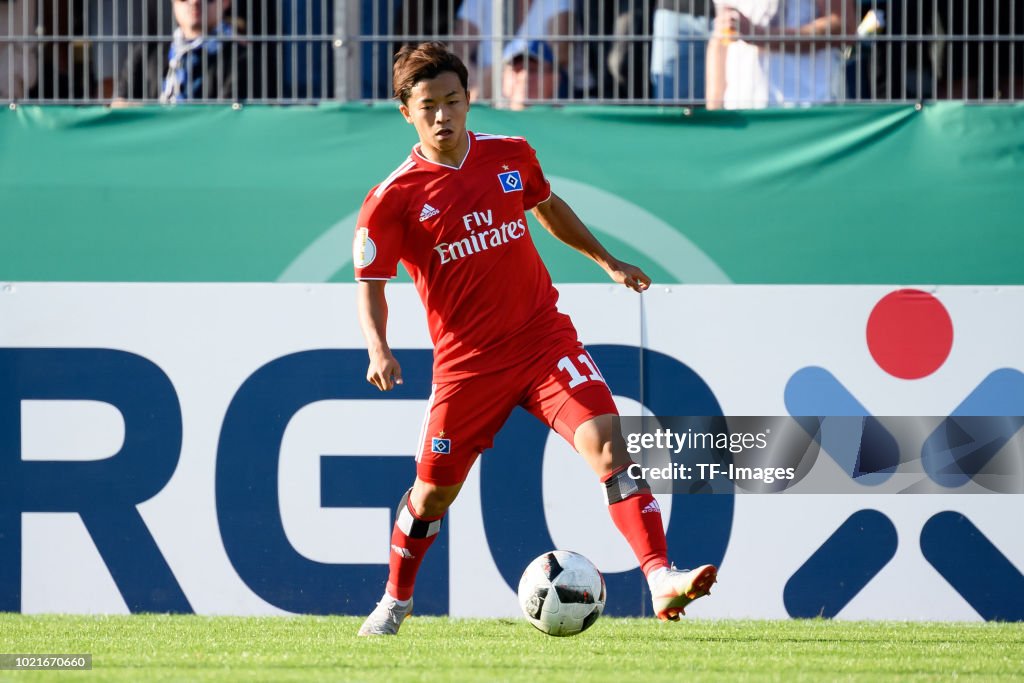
point(621, 486)
point(411, 525)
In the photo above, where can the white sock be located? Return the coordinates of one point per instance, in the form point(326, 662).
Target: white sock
point(400, 603)
point(655, 576)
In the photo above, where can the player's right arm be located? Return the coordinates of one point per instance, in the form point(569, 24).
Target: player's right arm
point(375, 254)
point(384, 372)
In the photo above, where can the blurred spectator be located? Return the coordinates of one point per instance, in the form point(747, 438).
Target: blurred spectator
point(530, 73)
point(942, 56)
point(107, 20)
point(630, 56)
point(861, 71)
point(17, 59)
point(64, 72)
point(905, 69)
point(771, 53)
point(678, 49)
point(618, 46)
point(260, 18)
point(203, 61)
point(983, 69)
point(536, 20)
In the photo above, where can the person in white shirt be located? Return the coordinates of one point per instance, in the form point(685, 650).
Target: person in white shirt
point(775, 53)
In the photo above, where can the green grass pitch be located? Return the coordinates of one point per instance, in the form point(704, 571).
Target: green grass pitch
point(193, 648)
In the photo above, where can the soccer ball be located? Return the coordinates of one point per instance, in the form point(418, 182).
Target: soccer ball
point(562, 593)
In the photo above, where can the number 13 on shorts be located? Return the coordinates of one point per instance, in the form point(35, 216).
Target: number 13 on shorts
point(580, 370)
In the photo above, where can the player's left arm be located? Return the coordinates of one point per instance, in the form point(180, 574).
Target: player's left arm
point(560, 220)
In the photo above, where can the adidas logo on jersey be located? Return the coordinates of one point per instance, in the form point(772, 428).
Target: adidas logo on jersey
point(651, 507)
point(427, 212)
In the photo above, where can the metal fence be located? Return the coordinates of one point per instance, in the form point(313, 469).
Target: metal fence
point(731, 53)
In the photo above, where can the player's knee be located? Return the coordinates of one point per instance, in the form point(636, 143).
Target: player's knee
point(593, 436)
point(431, 500)
point(600, 442)
point(415, 526)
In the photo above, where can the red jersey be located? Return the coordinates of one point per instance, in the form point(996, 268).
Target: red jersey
point(462, 235)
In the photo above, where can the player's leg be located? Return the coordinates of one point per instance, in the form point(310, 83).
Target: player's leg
point(417, 523)
point(637, 515)
point(579, 406)
point(461, 420)
point(570, 394)
point(634, 510)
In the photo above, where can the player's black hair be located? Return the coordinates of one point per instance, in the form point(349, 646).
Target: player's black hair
point(415, 63)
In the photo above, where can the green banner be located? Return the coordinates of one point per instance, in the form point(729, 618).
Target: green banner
point(828, 195)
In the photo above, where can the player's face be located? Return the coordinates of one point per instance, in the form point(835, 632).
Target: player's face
point(437, 107)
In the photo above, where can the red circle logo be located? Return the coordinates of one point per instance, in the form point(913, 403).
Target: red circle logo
point(910, 334)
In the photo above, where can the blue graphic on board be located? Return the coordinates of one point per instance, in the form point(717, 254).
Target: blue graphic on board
point(973, 566)
point(961, 448)
point(842, 566)
point(865, 450)
point(105, 493)
point(910, 336)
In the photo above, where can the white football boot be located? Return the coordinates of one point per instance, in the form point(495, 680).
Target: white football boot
point(673, 589)
point(386, 618)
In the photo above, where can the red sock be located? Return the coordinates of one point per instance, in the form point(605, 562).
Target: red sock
point(638, 518)
point(410, 539)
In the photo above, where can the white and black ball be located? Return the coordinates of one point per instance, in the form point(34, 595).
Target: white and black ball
point(562, 593)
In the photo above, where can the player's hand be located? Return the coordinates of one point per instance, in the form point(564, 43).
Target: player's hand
point(629, 275)
point(384, 371)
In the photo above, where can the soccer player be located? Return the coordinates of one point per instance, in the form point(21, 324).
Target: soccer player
point(454, 214)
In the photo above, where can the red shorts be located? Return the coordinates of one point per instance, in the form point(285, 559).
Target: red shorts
point(563, 390)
